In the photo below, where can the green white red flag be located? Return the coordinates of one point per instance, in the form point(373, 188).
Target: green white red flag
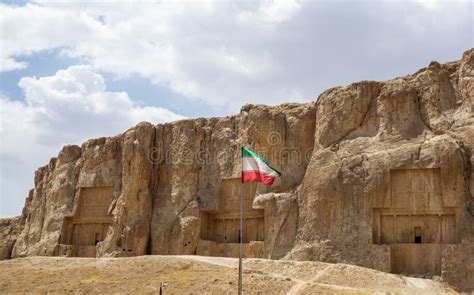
point(256, 168)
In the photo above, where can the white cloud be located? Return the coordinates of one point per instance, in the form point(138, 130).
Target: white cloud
point(270, 11)
point(74, 104)
point(31, 28)
point(227, 53)
point(10, 64)
point(66, 108)
point(185, 46)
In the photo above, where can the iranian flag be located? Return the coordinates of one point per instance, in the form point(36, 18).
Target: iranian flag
point(256, 168)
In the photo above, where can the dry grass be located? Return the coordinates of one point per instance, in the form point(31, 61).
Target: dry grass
point(198, 275)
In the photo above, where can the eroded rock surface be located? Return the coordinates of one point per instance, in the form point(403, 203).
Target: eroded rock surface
point(374, 173)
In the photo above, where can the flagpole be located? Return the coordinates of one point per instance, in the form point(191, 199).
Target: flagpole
point(241, 225)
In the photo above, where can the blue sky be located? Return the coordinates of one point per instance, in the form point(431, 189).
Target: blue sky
point(145, 92)
point(74, 70)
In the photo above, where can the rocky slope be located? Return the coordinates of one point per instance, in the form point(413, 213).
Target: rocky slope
point(341, 158)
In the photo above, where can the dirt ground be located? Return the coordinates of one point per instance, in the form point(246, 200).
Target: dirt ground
point(200, 275)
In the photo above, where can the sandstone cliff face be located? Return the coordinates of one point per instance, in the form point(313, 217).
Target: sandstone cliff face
point(193, 156)
point(10, 228)
point(374, 174)
point(417, 129)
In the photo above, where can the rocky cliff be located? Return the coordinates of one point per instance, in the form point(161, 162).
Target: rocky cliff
point(376, 174)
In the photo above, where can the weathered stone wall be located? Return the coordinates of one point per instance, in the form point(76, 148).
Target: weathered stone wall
point(193, 156)
point(10, 228)
point(421, 121)
point(336, 156)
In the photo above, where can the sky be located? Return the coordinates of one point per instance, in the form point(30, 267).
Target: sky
point(73, 70)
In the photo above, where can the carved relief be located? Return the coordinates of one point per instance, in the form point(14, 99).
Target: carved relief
point(90, 222)
point(416, 217)
point(416, 213)
point(223, 225)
